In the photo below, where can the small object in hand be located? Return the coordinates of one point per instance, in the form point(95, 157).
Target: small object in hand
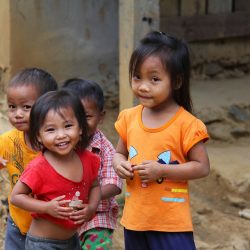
point(4, 162)
point(75, 201)
point(131, 178)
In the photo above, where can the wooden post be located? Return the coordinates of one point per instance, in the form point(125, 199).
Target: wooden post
point(136, 18)
point(4, 43)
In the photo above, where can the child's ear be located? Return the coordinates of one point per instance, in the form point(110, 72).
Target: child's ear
point(39, 139)
point(102, 116)
point(178, 83)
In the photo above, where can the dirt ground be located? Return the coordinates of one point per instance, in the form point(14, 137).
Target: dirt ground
point(221, 202)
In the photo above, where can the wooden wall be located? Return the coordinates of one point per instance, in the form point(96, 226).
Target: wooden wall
point(197, 20)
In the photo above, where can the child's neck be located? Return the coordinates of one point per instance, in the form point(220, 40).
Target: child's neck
point(51, 156)
point(69, 166)
point(157, 117)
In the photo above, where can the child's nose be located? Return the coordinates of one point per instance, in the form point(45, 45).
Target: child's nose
point(60, 133)
point(19, 112)
point(144, 86)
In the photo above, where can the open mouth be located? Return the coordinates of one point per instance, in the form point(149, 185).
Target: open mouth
point(62, 144)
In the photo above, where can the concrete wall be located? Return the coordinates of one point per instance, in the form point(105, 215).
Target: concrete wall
point(67, 38)
point(80, 38)
point(225, 58)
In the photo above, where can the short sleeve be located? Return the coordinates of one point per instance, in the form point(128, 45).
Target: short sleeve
point(121, 126)
point(195, 133)
point(32, 178)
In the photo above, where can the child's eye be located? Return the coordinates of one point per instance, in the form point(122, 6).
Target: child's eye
point(155, 79)
point(27, 107)
point(136, 77)
point(68, 125)
point(49, 130)
point(10, 106)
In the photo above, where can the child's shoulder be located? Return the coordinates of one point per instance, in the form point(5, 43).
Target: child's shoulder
point(99, 139)
point(11, 138)
point(189, 121)
point(39, 160)
point(87, 155)
point(132, 109)
point(37, 165)
point(12, 133)
point(187, 116)
point(130, 113)
point(89, 160)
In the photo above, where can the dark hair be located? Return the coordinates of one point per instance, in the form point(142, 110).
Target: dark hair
point(39, 78)
point(86, 89)
point(175, 59)
point(56, 100)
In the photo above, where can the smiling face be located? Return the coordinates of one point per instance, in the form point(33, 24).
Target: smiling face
point(20, 100)
point(60, 131)
point(152, 85)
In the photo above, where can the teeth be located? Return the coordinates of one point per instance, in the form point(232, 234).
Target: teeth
point(62, 144)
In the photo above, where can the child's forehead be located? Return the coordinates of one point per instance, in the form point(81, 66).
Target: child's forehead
point(65, 113)
point(153, 62)
point(23, 87)
point(22, 91)
point(64, 110)
point(90, 102)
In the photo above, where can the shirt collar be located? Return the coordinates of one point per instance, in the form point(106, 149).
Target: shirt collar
point(95, 142)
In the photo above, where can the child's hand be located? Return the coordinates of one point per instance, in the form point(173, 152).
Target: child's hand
point(149, 171)
point(125, 170)
point(84, 213)
point(3, 161)
point(59, 208)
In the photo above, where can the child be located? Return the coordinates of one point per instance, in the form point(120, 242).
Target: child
point(22, 91)
point(160, 147)
point(104, 222)
point(62, 177)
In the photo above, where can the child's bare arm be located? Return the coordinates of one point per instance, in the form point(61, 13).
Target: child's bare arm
point(111, 183)
point(109, 190)
point(121, 164)
point(197, 167)
point(21, 197)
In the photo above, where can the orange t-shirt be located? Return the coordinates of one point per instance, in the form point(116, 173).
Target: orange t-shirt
point(157, 206)
point(18, 154)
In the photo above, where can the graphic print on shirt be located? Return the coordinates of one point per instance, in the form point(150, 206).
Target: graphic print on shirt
point(17, 158)
point(132, 152)
point(163, 158)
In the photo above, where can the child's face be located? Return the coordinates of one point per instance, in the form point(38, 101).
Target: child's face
point(93, 114)
point(20, 101)
point(60, 131)
point(152, 85)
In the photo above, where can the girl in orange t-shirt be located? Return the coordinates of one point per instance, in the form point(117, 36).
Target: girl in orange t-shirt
point(161, 147)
